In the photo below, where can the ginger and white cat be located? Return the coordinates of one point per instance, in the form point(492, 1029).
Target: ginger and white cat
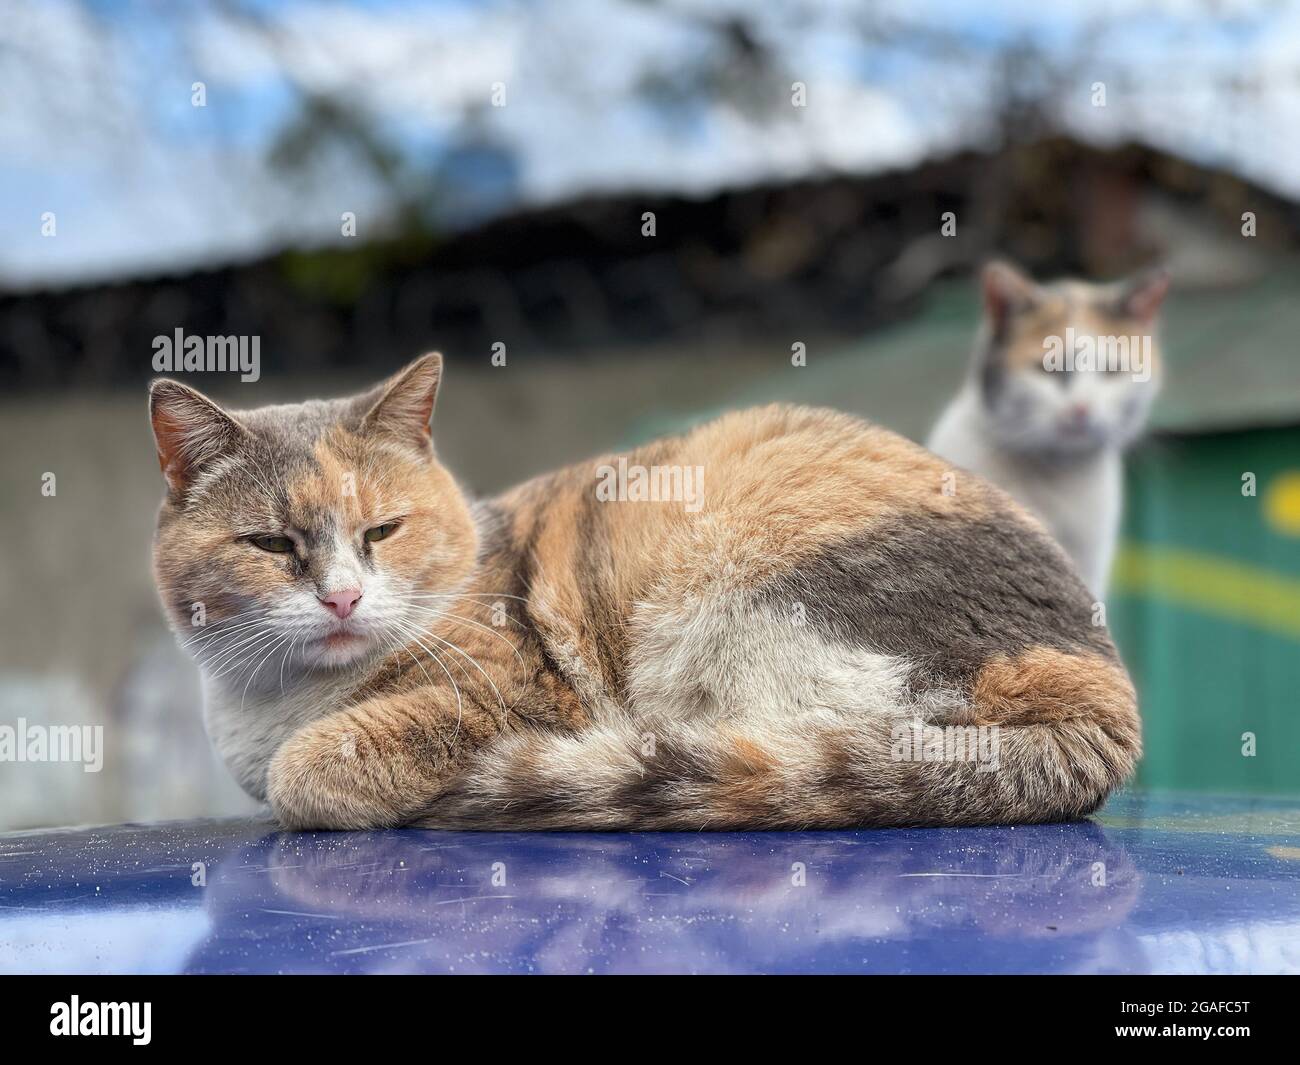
point(378, 651)
point(1062, 379)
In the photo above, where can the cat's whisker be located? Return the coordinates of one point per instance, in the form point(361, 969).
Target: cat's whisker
point(236, 657)
point(474, 662)
point(396, 646)
point(260, 663)
point(236, 644)
point(225, 654)
point(284, 661)
point(413, 636)
point(213, 651)
point(465, 595)
point(413, 601)
point(478, 625)
point(437, 658)
point(222, 628)
point(234, 663)
point(227, 631)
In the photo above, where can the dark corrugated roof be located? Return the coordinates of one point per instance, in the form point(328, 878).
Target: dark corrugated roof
point(1232, 358)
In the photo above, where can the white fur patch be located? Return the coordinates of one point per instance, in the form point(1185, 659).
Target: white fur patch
point(724, 657)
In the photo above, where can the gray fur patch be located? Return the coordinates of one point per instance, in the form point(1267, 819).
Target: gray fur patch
point(947, 593)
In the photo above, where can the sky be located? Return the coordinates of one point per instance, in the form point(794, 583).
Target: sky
point(98, 127)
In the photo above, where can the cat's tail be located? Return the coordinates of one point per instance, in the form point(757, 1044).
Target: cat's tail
point(1030, 744)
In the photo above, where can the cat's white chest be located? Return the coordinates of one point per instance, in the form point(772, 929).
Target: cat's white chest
point(247, 728)
point(1081, 506)
point(1079, 502)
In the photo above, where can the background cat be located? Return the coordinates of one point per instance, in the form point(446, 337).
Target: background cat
point(1051, 400)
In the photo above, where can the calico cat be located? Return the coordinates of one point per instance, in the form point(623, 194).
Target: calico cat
point(378, 651)
point(1049, 429)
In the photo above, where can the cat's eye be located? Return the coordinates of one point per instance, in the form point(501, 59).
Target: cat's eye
point(381, 532)
point(276, 544)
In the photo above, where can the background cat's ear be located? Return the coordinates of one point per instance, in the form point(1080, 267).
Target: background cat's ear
point(1005, 290)
point(189, 430)
point(1142, 296)
point(405, 402)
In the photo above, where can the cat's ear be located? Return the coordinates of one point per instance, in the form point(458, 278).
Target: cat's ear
point(405, 402)
point(1141, 296)
point(1006, 290)
point(189, 430)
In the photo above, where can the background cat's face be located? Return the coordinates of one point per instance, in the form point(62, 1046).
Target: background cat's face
point(306, 536)
point(1036, 408)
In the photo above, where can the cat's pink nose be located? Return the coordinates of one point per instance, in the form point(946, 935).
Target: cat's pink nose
point(341, 603)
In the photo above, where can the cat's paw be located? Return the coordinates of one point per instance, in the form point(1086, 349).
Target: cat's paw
point(326, 776)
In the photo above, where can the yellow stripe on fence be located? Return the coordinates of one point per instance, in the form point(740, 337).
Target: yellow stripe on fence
point(1212, 584)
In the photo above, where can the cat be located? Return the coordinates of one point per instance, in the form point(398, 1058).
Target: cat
point(379, 651)
point(1049, 425)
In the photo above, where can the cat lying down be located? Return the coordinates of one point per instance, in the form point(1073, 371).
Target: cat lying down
point(831, 628)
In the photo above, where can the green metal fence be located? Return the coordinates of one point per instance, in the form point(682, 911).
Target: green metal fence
point(1205, 606)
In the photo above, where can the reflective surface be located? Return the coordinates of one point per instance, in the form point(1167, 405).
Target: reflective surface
point(1155, 884)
